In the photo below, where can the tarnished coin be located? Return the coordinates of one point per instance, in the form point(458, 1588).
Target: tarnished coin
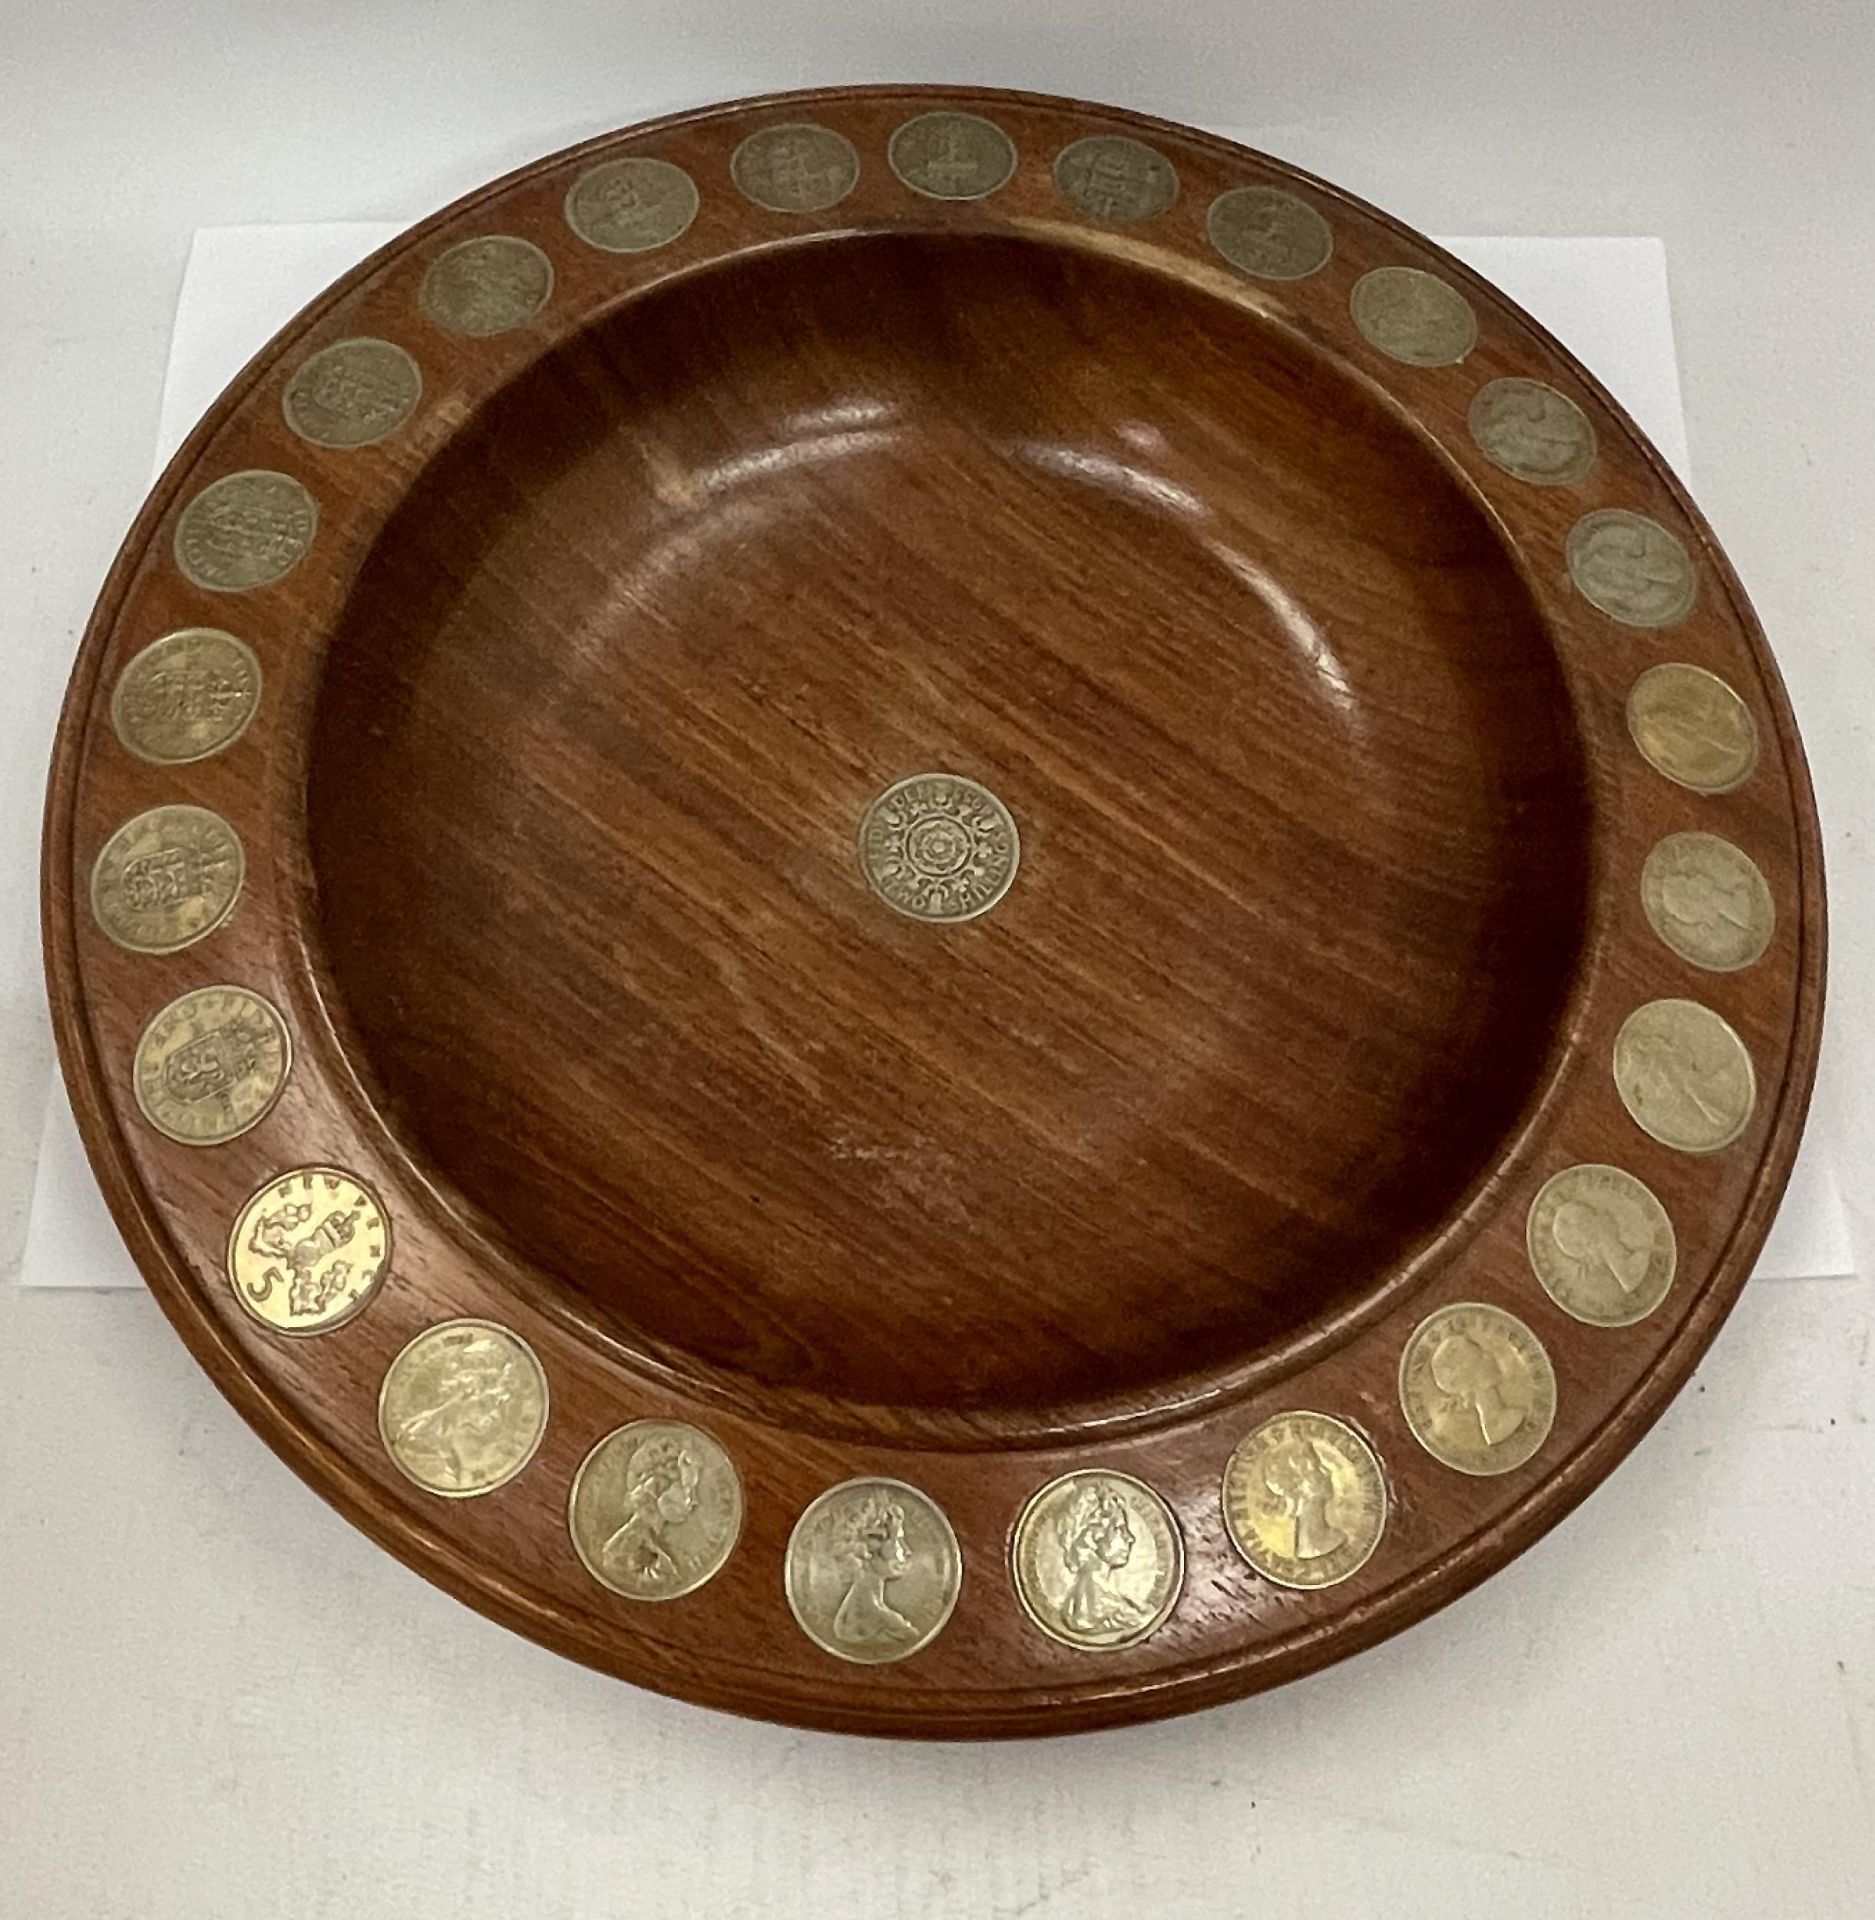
point(463, 1407)
point(186, 696)
point(1533, 432)
point(631, 206)
point(352, 393)
point(245, 530)
point(952, 156)
point(1692, 727)
point(873, 1571)
point(656, 1509)
point(1600, 1245)
point(1116, 178)
point(939, 847)
point(1098, 1560)
point(1684, 1075)
point(1304, 1500)
point(1414, 316)
point(167, 878)
point(487, 286)
point(1707, 900)
point(1269, 233)
point(1477, 1388)
point(1631, 568)
point(308, 1250)
point(795, 169)
point(211, 1064)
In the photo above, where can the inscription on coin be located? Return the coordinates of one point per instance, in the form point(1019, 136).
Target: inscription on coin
point(487, 286)
point(1684, 1075)
point(656, 1509)
point(1477, 1388)
point(463, 1408)
point(1098, 1560)
point(211, 1064)
point(186, 696)
point(167, 878)
point(1304, 1500)
point(1707, 900)
point(308, 1250)
point(245, 530)
point(352, 393)
point(1601, 1245)
point(1631, 568)
point(873, 1571)
point(796, 169)
point(1414, 316)
point(952, 156)
point(631, 206)
point(1269, 233)
point(1533, 432)
point(939, 847)
point(1690, 726)
point(1115, 178)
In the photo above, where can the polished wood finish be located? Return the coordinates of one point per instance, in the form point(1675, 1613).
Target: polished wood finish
point(1327, 913)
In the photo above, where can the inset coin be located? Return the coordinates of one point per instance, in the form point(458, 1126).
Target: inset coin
point(631, 206)
point(1707, 900)
point(1600, 1245)
point(308, 1250)
point(1115, 178)
point(245, 530)
point(1304, 1500)
point(873, 1571)
point(352, 393)
point(167, 878)
point(1631, 568)
point(939, 847)
point(1477, 1388)
point(1098, 1560)
point(1414, 316)
point(1269, 233)
point(1533, 432)
point(656, 1509)
point(1690, 726)
point(487, 286)
point(795, 169)
point(952, 156)
point(463, 1408)
point(1684, 1075)
point(211, 1065)
point(185, 696)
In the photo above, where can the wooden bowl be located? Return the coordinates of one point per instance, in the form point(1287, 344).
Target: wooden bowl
point(950, 791)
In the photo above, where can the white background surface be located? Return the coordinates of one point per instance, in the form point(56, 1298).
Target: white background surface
point(215, 1699)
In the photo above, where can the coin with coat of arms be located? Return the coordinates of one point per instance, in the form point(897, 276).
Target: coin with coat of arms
point(211, 1064)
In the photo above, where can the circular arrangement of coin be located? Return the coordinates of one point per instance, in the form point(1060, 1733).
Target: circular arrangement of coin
point(727, 1528)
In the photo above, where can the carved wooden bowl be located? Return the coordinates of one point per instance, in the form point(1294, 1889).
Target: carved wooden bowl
point(951, 791)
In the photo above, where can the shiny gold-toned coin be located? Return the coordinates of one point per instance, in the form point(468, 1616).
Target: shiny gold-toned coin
point(1477, 1388)
point(487, 286)
point(463, 1408)
point(656, 1509)
point(186, 696)
point(211, 1064)
point(167, 878)
point(245, 530)
point(1269, 233)
point(1684, 1075)
point(1304, 1500)
point(631, 206)
point(796, 168)
point(872, 1571)
point(352, 393)
point(1413, 316)
point(1115, 178)
point(308, 1250)
point(1533, 432)
point(1098, 1560)
point(1600, 1245)
point(939, 847)
point(1690, 726)
point(952, 156)
point(1707, 900)
point(1631, 568)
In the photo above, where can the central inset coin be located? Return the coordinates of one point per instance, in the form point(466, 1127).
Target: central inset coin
point(939, 847)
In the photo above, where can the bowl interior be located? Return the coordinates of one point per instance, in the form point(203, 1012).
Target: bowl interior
point(1304, 827)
